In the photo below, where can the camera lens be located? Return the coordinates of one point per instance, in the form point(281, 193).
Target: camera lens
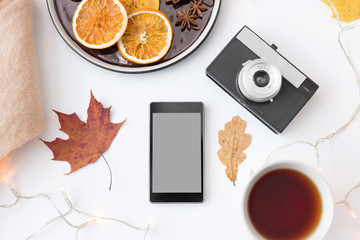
point(261, 78)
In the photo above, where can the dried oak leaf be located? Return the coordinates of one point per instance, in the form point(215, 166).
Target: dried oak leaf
point(87, 141)
point(233, 142)
point(348, 10)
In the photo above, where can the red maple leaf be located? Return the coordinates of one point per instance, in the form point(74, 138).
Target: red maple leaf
point(87, 141)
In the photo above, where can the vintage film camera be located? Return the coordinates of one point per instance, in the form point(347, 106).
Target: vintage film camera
point(261, 80)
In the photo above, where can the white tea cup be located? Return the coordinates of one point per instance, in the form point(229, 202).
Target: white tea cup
point(327, 212)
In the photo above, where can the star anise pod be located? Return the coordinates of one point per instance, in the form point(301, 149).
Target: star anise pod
point(186, 20)
point(172, 1)
point(196, 7)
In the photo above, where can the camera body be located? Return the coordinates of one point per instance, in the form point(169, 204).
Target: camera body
point(261, 80)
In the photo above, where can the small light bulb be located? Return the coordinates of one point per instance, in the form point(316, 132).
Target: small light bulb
point(62, 189)
point(98, 219)
point(320, 167)
point(251, 169)
point(6, 180)
point(353, 214)
point(150, 221)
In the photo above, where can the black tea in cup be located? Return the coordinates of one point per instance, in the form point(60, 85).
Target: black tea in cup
point(284, 204)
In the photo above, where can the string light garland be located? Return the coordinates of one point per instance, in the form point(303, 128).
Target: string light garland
point(93, 218)
point(343, 127)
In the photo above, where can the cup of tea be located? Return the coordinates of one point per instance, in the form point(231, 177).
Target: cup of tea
point(288, 200)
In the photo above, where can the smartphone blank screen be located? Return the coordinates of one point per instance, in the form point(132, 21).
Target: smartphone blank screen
point(176, 153)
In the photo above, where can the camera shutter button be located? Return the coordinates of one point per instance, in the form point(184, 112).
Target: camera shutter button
point(273, 46)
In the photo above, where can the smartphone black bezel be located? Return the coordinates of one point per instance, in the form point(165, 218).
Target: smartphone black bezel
point(177, 107)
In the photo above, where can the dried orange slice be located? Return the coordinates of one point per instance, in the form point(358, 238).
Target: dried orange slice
point(135, 5)
point(147, 38)
point(99, 23)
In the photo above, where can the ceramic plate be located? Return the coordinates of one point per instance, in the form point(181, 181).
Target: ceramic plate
point(184, 42)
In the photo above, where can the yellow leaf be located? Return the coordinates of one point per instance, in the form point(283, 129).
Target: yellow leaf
point(233, 142)
point(348, 10)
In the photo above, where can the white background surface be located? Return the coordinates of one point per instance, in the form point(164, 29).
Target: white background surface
point(304, 32)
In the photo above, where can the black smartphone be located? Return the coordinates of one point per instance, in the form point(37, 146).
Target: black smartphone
point(176, 152)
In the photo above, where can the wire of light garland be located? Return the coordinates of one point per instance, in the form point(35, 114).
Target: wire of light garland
point(353, 116)
point(94, 219)
point(346, 202)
